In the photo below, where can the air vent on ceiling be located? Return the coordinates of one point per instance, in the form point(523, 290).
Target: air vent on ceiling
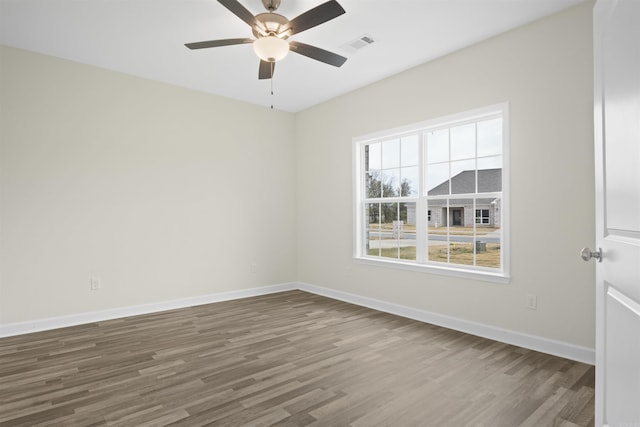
point(357, 44)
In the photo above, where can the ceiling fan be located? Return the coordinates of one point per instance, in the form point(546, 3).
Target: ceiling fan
point(272, 32)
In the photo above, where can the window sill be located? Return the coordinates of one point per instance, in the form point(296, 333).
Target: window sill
point(433, 269)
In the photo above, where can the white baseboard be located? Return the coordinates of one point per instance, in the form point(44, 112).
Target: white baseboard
point(12, 329)
point(545, 345)
point(532, 342)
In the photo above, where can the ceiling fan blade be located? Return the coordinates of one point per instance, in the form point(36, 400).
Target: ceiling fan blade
point(240, 11)
point(266, 70)
point(316, 16)
point(317, 53)
point(217, 43)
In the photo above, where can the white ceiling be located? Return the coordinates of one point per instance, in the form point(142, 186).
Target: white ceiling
point(146, 38)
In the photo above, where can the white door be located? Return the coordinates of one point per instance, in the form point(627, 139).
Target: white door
point(617, 153)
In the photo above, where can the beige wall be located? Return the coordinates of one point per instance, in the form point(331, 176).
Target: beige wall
point(544, 70)
point(166, 193)
point(162, 192)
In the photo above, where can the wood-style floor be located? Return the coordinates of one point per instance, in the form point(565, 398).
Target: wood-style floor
point(287, 359)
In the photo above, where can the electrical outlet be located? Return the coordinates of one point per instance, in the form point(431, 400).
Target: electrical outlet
point(532, 301)
point(95, 283)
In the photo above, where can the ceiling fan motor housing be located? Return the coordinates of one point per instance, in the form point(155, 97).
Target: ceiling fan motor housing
point(271, 5)
point(272, 24)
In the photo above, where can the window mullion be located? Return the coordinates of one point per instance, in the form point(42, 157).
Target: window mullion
point(422, 238)
point(475, 225)
point(448, 231)
point(474, 246)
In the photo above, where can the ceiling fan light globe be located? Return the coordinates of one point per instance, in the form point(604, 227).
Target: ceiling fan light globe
point(271, 48)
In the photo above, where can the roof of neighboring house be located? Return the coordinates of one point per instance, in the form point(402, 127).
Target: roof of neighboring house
point(489, 180)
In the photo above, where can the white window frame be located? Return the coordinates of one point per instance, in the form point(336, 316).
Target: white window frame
point(482, 217)
point(472, 272)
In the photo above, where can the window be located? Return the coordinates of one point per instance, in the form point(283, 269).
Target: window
point(482, 216)
point(432, 196)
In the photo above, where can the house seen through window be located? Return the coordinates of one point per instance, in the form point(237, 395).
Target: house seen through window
point(432, 195)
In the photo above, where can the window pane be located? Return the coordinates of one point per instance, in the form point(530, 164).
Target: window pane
point(390, 230)
point(461, 252)
point(490, 137)
point(490, 179)
point(390, 183)
point(461, 216)
point(388, 214)
point(488, 234)
point(407, 233)
point(437, 179)
point(409, 181)
point(438, 146)
point(438, 231)
point(372, 156)
point(488, 254)
point(373, 185)
point(438, 251)
point(391, 154)
point(372, 232)
point(437, 213)
point(452, 218)
point(409, 151)
point(463, 142)
point(494, 162)
point(495, 210)
point(463, 177)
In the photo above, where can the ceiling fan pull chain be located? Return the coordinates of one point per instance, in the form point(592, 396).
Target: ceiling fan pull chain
point(271, 82)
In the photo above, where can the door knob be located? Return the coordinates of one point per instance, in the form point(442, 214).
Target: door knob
point(587, 254)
